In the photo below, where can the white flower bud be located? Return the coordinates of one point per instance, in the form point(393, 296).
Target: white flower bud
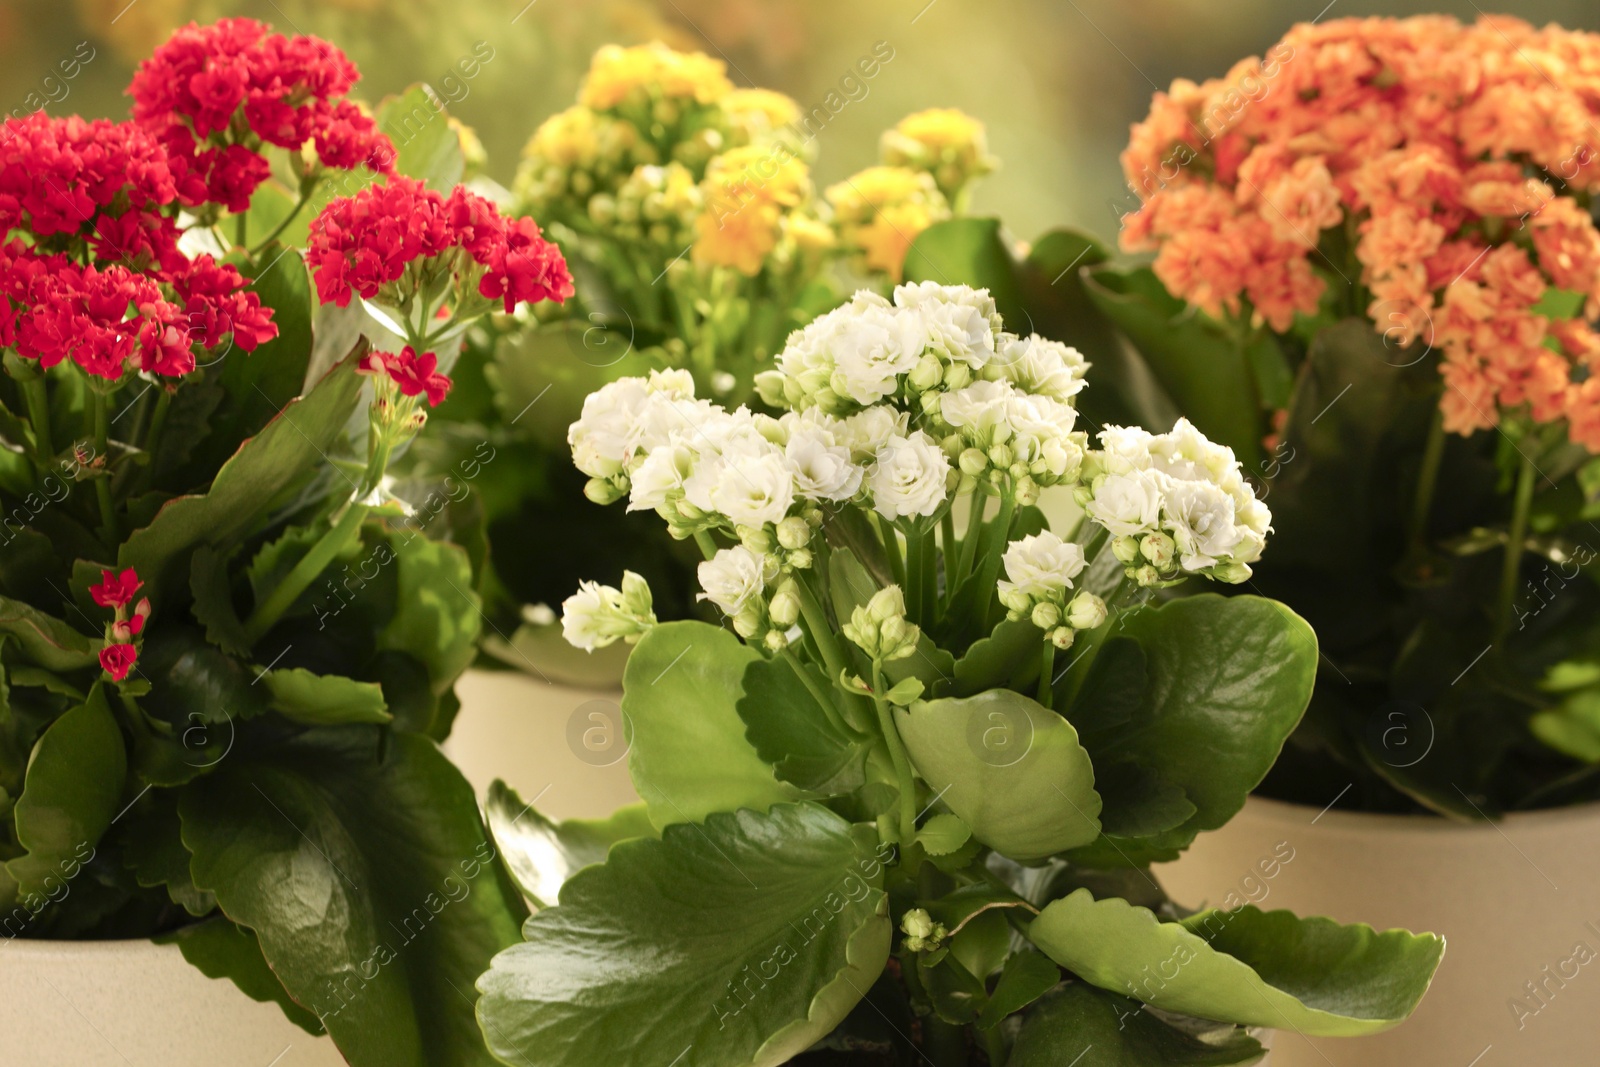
point(794, 532)
point(1158, 548)
point(974, 462)
point(1046, 616)
point(784, 610)
point(1063, 636)
point(1126, 549)
point(1086, 611)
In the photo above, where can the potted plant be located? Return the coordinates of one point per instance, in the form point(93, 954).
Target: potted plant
point(901, 806)
point(1373, 270)
point(227, 648)
point(688, 212)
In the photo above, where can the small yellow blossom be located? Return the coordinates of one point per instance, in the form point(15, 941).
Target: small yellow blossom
point(747, 191)
point(757, 114)
point(566, 139)
point(881, 210)
point(947, 143)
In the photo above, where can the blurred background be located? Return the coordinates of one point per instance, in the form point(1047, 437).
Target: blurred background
point(1057, 81)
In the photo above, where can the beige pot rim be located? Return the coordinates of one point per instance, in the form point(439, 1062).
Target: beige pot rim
point(87, 950)
point(1289, 813)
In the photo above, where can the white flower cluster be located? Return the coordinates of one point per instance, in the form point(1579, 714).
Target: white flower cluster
point(1040, 569)
point(598, 615)
point(1175, 504)
point(998, 404)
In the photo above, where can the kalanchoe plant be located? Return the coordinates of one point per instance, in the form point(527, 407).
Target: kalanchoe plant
point(910, 809)
point(1396, 276)
point(227, 648)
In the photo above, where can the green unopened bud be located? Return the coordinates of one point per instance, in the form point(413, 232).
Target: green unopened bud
point(603, 210)
point(1126, 549)
point(1086, 611)
point(756, 539)
point(922, 934)
point(748, 622)
point(897, 638)
point(888, 603)
point(957, 376)
point(1026, 491)
point(1016, 601)
point(800, 559)
point(974, 462)
point(1062, 636)
point(1001, 456)
point(1158, 548)
point(1231, 572)
point(775, 641)
point(784, 610)
point(1146, 576)
point(636, 597)
point(602, 491)
point(794, 532)
point(928, 373)
point(1046, 616)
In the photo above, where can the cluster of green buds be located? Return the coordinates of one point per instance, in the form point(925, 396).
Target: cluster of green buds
point(945, 143)
point(654, 204)
point(922, 934)
point(1040, 569)
point(880, 628)
point(574, 155)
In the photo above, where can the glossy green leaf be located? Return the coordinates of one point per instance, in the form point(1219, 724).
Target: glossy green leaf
point(426, 147)
point(969, 251)
point(72, 792)
point(358, 858)
point(1088, 1027)
point(152, 847)
point(541, 377)
point(1245, 966)
point(1010, 768)
point(285, 452)
point(688, 754)
point(540, 854)
point(437, 615)
point(213, 601)
point(1027, 977)
point(48, 641)
point(943, 834)
point(1008, 657)
point(790, 730)
point(222, 949)
point(324, 699)
point(1227, 679)
point(1206, 372)
point(745, 940)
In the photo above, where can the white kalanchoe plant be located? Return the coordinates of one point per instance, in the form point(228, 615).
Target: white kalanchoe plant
point(942, 731)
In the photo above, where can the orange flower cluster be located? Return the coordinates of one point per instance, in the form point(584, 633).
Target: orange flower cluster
point(1452, 155)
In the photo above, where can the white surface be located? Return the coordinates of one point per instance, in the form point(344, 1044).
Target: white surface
point(562, 749)
point(137, 1004)
point(1510, 899)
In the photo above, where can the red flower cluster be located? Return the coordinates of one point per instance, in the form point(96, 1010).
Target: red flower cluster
point(361, 243)
point(105, 180)
point(214, 93)
point(104, 317)
point(413, 374)
point(117, 591)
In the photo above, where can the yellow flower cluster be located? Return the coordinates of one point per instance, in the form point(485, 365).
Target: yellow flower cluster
point(754, 197)
point(949, 144)
point(619, 76)
point(879, 211)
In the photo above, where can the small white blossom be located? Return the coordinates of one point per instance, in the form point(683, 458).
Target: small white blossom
point(1041, 565)
point(1039, 366)
point(875, 346)
point(734, 578)
point(1127, 504)
point(598, 615)
point(909, 477)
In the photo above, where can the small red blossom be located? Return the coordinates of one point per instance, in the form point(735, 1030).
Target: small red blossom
point(413, 374)
point(115, 590)
point(118, 660)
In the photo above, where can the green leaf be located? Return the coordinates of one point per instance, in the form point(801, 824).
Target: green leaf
point(70, 796)
point(247, 486)
point(1007, 657)
point(969, 251)
point(688, 755)
point(365, 872)
point(1227, 681)
point(213, 601)
point(437, 617)
point(152, 847)
point(1027, 977)
point(943, 834)
point(745, 939)
point(1206, 372)
point(222, 949)
point(1087, 1027)
point(426, 147)
point(555, 366)
point(541, 855)
point(1559, 304)
point(1011, 769)
point(1139, 802)
point(1245, 966)
point(790, 730)
point(51, 643)
point(324, 699)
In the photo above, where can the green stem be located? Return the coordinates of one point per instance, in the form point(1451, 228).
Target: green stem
point(891, 548)
point(1517, 535)
point(294, 212)
point(102, 484)
point(39, 413)
point(1427, 480)
point(912, 583)
point(897, 755)
point(269, 611)
point(969, 541)
point(928, 575)
point(817, 624)
point(708, 547)
point(1047, 667)
point(241, 229)
point(948, 551)
point(997, 533)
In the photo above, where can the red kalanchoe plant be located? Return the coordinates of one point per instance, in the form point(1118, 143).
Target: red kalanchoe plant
point(118, 660)
point(217, 94)
point(115, 590)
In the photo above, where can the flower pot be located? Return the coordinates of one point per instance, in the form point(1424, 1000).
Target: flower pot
point(562, 748)
point(1514, 900)
point(137, 1004)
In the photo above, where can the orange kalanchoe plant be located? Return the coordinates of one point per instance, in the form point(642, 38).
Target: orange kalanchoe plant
point(1456, 159)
